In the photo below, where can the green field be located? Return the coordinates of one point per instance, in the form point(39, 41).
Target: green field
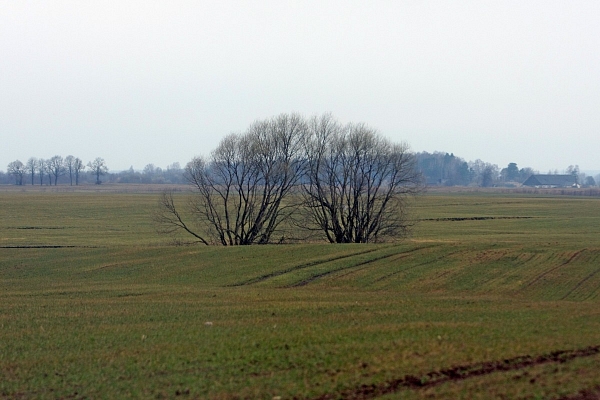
point(494, 295)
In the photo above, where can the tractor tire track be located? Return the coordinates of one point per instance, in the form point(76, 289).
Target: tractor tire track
point(400, 256)
point(459, 373)
point(416, 266)
point(543, 274)
point(318, 276)
point(584, 280)
point(274, 274)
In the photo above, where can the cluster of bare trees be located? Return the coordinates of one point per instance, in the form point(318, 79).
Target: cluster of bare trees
point(289, 179)
point(39, 170)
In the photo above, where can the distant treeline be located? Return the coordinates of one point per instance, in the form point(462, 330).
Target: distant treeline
point(438, 169)
point(72, 171)
point(443, 169)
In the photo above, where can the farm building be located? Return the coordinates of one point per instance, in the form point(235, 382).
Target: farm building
point(551, 181)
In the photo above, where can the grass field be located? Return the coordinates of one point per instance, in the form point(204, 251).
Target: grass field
point(495, 295)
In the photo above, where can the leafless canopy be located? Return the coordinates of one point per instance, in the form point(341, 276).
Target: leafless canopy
point(357, 183)
point(32, 166)
point(98, 168)
point(346, 183)
point(240, 189)
point(17, 169)
point(56, 166)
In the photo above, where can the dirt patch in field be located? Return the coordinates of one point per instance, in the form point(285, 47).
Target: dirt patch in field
point(471, 218)
point(462, 372)
point(41, 247)
point(586, 394)
point(37, 227)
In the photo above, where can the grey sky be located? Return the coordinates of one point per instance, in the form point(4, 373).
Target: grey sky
point(139, 82)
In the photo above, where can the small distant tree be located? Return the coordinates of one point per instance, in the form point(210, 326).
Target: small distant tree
point(41, 168)
point(148, 173)
point(174, 173)
point(57, 168)
point(525, 173)
point(484, 173)
point(149, 169)
point(487, 177)
point(174, 167)
point(48, 171)
point(98, 168)
point(69, 166)
point(17, 170)
point(32, 166)
point(589, 181)
point(511, 172)
point(573, 170)
point(78, 167)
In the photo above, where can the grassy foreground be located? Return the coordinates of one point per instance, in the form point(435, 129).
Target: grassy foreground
point(494, 296)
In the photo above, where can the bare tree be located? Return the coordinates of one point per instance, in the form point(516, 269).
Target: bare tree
point(487, 177)
point(69, 164)
point(48, 171)
point(347, 183)
point(485, 174)
point(98, 168)
point(241, 190)
point(17, 169)
point(357, 183)
point(152, 174)
point(174, 173)
point(525, 173)
point(56, 165)
point(41, 167)
point(32, 167)
point(589, 181)
point(170, 221)
point(78, 167)
point(574, 171)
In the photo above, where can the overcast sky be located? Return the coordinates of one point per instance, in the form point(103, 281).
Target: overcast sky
point(139, 82)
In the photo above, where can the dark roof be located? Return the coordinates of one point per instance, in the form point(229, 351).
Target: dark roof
point(551, 180)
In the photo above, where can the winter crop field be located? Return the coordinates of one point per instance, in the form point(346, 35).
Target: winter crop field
point(495, 295)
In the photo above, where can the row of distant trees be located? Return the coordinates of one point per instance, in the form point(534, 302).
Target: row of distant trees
point(438, 168)
point(48, 171)
point(443, 169)
point(73, 171)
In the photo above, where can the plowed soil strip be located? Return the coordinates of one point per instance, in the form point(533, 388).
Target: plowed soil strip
point(459, 373)
point(41, 247)
point(471, 218)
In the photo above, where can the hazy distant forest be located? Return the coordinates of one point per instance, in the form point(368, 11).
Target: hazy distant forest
point(437, 168)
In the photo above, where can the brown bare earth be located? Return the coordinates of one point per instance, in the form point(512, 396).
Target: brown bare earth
point(462, 372)
point(586, 394)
